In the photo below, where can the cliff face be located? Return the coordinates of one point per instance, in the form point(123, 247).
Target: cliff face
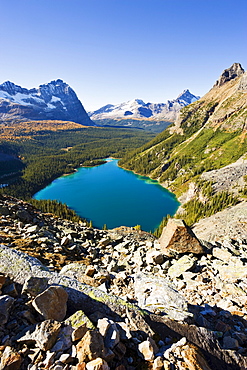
point(53, 101)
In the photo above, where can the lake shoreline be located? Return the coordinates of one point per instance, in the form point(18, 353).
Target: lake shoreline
point(148, 177)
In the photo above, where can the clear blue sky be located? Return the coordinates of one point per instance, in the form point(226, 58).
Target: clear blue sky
point(111, 51)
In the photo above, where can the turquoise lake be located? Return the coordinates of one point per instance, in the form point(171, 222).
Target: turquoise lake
point(107, 194)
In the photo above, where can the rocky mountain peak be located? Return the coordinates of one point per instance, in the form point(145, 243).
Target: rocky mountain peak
point(228, 74)
point(12, 88)
point(55, 100)
point(187, 97)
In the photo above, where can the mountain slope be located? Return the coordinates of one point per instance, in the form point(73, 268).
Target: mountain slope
point(208, 135)
point(53, 101)
point(138, 109)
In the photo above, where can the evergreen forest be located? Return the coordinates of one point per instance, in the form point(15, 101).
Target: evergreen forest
point(46, 155)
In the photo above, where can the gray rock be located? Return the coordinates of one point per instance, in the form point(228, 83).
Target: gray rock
point(232, 271)
point(230, 343)
point(154, 257)
point(108, 329)
point(222, 254)
point(11, 290)
point(207, 341)
point(4, 211)
point(80, 324)
point(78, 319)
point(19, 265)
point(74, 270)
point(148, 348)
point(228, 74)
point(64, 340)
point(184, 263)
point(44, 334)
point(24, 215)
point(6, 302)
point(156, 294)
point(32, 229)
point(34, 285)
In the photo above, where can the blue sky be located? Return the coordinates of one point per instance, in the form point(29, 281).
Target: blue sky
point(111, 51)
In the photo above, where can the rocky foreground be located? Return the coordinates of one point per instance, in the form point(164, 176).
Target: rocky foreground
point(74, 297)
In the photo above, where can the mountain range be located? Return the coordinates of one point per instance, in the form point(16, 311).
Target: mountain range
point(138, 109)
point(204, 153)
point(55, 100)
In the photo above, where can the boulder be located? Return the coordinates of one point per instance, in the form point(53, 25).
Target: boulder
point(90, 347)
point(154, 257)
point(180, 266)
point(192, 357)
point(64, 340)
point(205, 339)
point(157, 295)
point(80, 324)
point(148, 349)
point(222, 254)
point(19, 265)
point(52, 303)
point(108, 329)
point(178, 238)
point(34, 285)
point(44, 334)
point(158, 363)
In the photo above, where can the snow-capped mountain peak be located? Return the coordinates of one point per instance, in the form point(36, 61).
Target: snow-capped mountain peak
point(187, 97)
point(137, 108)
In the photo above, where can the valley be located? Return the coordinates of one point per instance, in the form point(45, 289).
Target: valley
point(44, 158)
point(76, 297)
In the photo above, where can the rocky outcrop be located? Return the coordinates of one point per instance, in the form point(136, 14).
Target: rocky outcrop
point(243, 83)
point(229, 74)
point(229, 224)
point(229, 178)
point(53, 101)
